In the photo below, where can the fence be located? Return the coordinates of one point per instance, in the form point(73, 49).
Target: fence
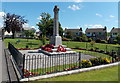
point(17, 58)
point(43, 64)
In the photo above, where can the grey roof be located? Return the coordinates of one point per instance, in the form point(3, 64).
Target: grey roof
point(72, 30)
point(115, 30)
point(95, 30)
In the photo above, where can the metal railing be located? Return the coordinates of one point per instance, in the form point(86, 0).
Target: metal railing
point(44, 64)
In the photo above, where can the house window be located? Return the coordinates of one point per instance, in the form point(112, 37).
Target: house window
point(99, 33)
point(93, 32)
point(76, 33)
point(88, 33)
point(114, 33)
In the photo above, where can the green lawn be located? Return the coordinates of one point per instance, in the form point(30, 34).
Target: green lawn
point(107, 74)
point(96, 54)
point(87, 45)
point(32, 43)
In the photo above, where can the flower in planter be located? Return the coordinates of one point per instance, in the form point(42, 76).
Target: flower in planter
point(106, 61)
point(86, 63)
point(47, 72)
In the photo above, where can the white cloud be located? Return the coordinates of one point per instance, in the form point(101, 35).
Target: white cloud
point(111, 16)
point(1, 18)
point(26, 25)
point(39, 18)
point(94, 26)
point(1, 25)
point(97, 14)
point(33, 27)
point(78, 1)
point(74, 7)
point(2, 14)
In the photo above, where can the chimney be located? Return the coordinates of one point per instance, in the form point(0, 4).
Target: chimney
point(80, 28)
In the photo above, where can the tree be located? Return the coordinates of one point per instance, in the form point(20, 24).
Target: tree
point(84, 38)
point(29, 33)
point(69, 35)
point(118, 39)
point(43, 25)
point(13, 23)
point(50, 29)
point(46, 26)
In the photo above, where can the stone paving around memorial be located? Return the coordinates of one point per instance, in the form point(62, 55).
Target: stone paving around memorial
point(48, 61)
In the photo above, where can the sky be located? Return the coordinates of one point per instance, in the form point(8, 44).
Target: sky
point(72, 15)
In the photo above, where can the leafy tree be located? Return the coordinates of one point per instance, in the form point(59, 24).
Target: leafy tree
point(43, 25)
point(84, 38)
point(46, 26)
point(69, 35)
point(118, 38)
point(92, 44)
point(29, 33)
point(50, 28)
point(13, 23)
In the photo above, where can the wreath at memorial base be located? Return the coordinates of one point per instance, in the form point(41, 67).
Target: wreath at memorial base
point(47, 47)
point(61, 49)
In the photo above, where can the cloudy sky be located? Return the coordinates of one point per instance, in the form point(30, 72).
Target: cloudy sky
point(71, 15)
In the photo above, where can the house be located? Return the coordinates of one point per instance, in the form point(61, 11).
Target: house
point(113, 34)
point(74, 32)
point(96, 33)
point(38, 33)
point(21, 33)
point(18, 34)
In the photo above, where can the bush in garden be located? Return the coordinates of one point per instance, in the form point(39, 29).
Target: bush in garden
point(99, 61)
point(92, 44)
point(89, 39)
point(98, 40)
point(66, 39)
point(86, 63)
point(78, 38)
point(94, 61)
point(106, 60)
point(104, 41)
point(84, 38)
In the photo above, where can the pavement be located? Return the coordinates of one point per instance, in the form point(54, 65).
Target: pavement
point(3, 68)
point(7, 73)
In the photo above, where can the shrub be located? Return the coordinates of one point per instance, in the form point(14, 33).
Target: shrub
point(84, 38)
point(65, 39)
point(104, 41)
point(86, 63)
point(98, 40)
point(106, 60)
point(89, 39)
point(99, 61)
point(78, 38)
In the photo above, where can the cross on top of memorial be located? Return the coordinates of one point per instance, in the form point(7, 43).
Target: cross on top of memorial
point(56, 8)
